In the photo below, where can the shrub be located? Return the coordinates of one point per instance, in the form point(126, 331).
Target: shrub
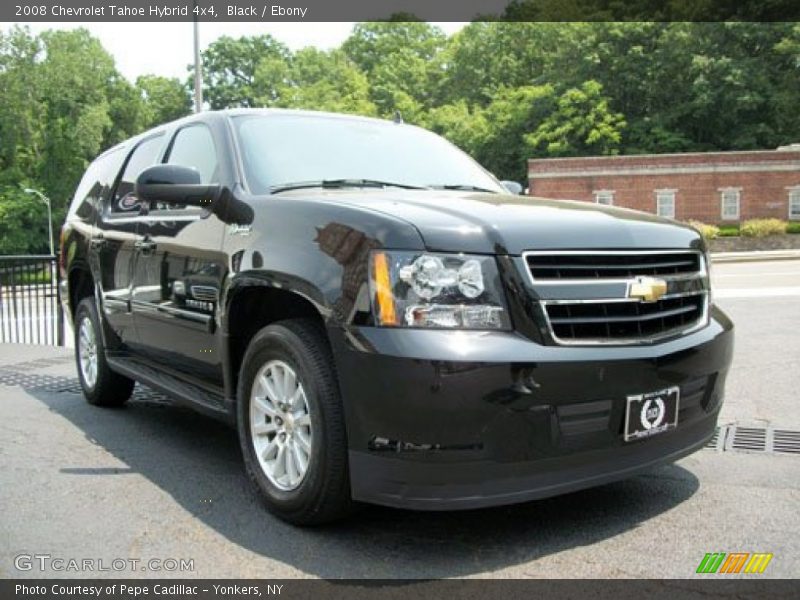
point(762, 227)
point(708, 232)
point(793, 227)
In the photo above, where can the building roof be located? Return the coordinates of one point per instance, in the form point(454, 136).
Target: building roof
point(783, 159)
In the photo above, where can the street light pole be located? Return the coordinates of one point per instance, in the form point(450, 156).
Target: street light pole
point(198, 73)
point(46, 200)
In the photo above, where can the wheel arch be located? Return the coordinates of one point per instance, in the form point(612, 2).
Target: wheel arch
point(80, 284)
point(254, 301)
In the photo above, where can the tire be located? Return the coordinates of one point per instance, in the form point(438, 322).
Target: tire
point(101, 386)
point(313, 427)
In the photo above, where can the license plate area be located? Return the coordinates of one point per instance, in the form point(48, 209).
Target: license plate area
point(651, 413)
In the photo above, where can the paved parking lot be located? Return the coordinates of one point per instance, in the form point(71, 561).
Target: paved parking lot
point(154, 481)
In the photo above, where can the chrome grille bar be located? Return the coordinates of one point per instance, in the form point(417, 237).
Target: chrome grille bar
point(606, 265)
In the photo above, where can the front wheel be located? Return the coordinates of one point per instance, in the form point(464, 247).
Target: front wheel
point(101, 386)
point(291, 423)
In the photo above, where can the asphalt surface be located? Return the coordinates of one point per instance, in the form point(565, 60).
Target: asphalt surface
point(154, 481)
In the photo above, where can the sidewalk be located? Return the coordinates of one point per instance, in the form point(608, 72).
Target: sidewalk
point(755, 255)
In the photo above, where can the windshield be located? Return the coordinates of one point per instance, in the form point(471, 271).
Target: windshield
point(279, 151)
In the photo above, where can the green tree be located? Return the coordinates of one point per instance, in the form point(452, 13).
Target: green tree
point(486, 56)
point(581, 124)
point(165, 99)
point(400, 60)
point(512, 114)
point(229, 69)
point(463, 125)
point(313, 79)
point(75, 76)
point(61, 102)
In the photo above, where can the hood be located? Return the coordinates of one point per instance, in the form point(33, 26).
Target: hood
point(453, 221)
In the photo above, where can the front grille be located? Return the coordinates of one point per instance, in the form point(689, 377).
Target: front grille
point(592, 297)
point(611, 265)
point(621, 321)
point(205, 293)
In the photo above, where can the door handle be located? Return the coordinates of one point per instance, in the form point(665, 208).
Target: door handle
point(97, 243)
point(145, 246)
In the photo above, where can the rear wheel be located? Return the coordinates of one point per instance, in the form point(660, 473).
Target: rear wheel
point(291, 423)
point(101, 386)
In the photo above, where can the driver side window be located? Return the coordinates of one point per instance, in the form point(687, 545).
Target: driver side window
point(193, 147)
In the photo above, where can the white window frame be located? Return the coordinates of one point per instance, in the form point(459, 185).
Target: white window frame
point(794, 203)
point(723, 195)
point(662, 196)
point(604, 197)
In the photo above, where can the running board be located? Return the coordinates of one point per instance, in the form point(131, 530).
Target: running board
point(183, 392)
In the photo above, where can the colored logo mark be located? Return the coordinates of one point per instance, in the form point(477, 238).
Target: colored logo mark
point(734, 562)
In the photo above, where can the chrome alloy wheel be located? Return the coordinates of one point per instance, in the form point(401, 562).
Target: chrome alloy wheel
point(280, 425)
point(87, 352)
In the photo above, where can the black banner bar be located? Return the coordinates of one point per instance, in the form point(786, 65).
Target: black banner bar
point(712, 586)
point(403, 10)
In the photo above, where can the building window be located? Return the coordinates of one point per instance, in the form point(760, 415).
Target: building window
point(794, 203)
point(604, 197)
point(730, 204)
point(665, 203)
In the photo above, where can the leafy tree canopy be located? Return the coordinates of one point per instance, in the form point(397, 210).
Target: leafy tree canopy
point(503, 92)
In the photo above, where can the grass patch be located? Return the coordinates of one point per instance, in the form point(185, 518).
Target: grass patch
point(729, 230)
point(8, 277)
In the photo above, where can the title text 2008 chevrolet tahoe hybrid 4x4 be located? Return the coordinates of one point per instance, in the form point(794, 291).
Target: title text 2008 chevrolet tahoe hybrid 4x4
point(382, 320)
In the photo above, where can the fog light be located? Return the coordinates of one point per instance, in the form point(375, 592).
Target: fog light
point(448, 316)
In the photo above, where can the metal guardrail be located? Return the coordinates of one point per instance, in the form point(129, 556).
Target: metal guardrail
point(30, 302)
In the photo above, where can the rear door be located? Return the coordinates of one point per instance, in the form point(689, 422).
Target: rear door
point(180, 268)
point(114, 243)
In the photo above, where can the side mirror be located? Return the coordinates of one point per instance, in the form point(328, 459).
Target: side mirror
point(513, 187)
point(175, 184)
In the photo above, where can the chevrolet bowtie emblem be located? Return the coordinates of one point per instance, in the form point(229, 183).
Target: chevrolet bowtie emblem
point(647, 289)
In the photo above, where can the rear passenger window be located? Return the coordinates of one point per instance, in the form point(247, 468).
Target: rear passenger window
point(145, 155)
point(96, 184)
point(194, 147)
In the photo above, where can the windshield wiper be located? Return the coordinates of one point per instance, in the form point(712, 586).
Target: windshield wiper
point(341, 183)
point(463, 186)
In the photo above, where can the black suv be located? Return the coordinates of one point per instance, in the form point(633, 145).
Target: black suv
point(382, 320)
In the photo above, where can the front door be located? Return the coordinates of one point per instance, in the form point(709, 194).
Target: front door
point(114, 242)
point(179, 272)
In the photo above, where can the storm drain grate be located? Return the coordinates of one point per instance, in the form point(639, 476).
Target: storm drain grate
point(787, 441)
point(748, 439)
point(717, 441)
point(735, 438)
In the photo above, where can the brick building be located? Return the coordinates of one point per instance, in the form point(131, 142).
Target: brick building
point(713, 187)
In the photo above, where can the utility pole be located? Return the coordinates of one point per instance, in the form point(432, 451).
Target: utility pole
point(198, 72)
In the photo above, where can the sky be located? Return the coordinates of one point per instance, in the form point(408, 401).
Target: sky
point(166, 48)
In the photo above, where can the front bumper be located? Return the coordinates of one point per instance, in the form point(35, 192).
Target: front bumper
point(441, 420)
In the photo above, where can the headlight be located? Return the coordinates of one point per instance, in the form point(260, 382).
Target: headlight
point(445, 291)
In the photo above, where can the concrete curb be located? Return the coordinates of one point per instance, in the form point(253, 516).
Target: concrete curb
point(753, 256)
